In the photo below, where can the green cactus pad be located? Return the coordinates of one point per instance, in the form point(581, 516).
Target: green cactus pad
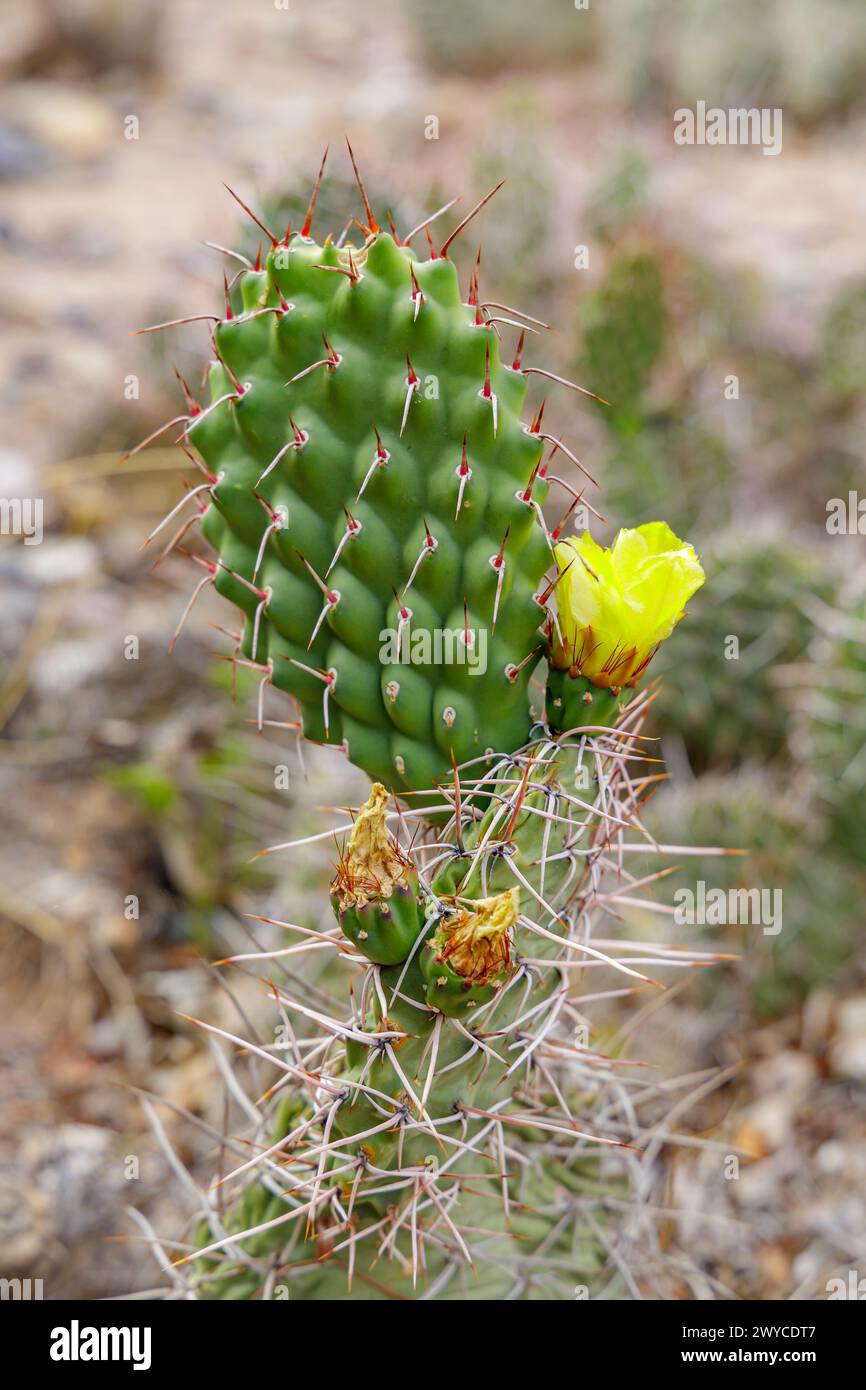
point(368, 508)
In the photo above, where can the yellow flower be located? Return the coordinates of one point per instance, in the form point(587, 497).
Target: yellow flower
point(477, 944)
point(374, 865)
point(615, 606)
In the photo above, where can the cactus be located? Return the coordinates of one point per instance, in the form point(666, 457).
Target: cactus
point(368, 473)
point(340, 491)
point(415, 1144)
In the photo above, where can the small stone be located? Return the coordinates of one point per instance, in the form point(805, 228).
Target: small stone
point(848, 1058)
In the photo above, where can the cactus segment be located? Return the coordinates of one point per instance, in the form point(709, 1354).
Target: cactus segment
point(374, 504)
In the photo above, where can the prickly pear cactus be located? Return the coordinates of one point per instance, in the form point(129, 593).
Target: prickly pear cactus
point(369, 474)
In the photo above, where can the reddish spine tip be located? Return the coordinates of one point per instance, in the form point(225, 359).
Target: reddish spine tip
point(395, 234)
point(404, 612)
point(308, 220)
point(546, 465)
point(519, 353)
point(259, 223)
point(192, 404)
point(372, 224)
point(536, 424)
point(497, 559)
point(527, 495)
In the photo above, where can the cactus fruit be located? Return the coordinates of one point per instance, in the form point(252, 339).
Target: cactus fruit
point(374, 895)
point(468, 957)
point(345, 499)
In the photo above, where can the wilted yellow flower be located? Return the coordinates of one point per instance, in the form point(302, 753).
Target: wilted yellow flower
point(616, 605)
point(373, 866)
point(477, 944)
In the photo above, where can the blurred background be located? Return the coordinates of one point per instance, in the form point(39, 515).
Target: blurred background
point(715, 295)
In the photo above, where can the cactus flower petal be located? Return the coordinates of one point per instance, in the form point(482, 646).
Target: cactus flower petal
point(616, 605)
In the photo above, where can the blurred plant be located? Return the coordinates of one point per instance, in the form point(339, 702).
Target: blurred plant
point(844, 343)
point(620, 197)
point(661, 445)
point(829, 699)
point(623, 325)
point(513, 141)
point(806, 58)
point(209, 802)
point(488, 36)
point(783, 843)
point(756, 615)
